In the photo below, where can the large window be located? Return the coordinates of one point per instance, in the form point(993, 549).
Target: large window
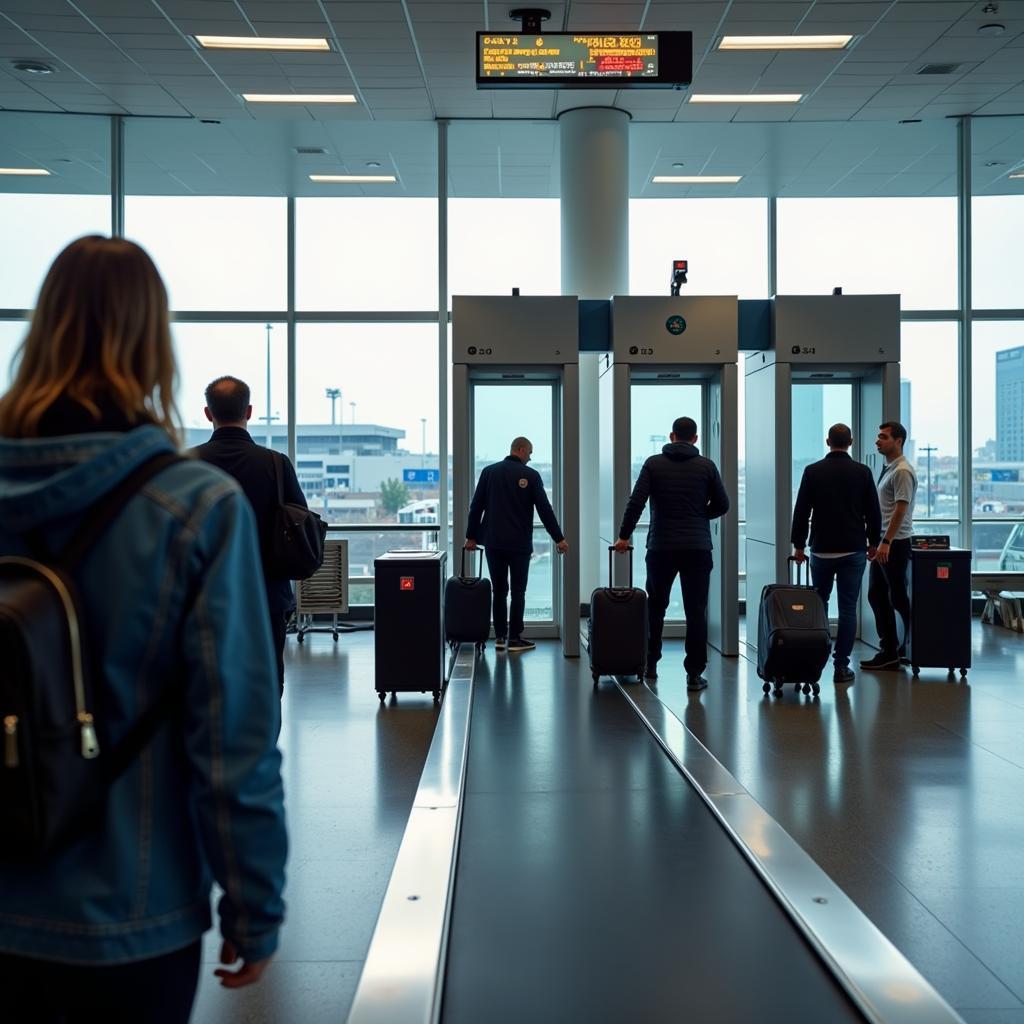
point(881, 245)
point(255, 353)
point(366, 254)
point(215, 252)
point(997, 437)
point(725, 241)
point(928, 403)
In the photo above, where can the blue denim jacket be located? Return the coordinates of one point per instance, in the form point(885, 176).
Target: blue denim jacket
point(173, 590)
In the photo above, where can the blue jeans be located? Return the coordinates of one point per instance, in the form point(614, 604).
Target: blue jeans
point(847, 572)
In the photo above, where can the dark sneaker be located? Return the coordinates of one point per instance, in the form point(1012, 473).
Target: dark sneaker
point(881, 661)
point(499, 643)
point(518, 645)
point(843, 675)
point(695, 683)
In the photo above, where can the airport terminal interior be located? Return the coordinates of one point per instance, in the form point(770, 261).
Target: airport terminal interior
point(767, 216)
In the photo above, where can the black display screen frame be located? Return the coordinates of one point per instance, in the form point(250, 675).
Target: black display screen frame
point(675, 65)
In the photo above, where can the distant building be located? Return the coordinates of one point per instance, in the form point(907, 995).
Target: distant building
point(1010, 405)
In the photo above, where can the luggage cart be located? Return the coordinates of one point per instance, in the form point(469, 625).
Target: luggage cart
point(324, 593)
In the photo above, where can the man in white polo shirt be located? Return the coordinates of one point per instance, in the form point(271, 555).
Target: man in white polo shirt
point(887, 578)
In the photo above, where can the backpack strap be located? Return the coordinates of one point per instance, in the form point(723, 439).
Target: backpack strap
point(105, 511)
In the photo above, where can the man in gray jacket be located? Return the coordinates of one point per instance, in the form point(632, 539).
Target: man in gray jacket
point(686, 493)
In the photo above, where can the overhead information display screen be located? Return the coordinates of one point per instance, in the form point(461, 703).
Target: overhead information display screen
point(568, 60)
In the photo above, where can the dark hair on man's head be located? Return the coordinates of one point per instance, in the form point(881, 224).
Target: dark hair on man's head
point(684, 428)
point(896, 430)
point(227, 398)
point(839, 436)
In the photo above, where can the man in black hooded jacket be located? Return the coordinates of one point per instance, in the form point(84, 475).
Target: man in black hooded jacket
point(686, 492)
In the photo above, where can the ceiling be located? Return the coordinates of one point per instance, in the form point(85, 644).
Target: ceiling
point(410, 62)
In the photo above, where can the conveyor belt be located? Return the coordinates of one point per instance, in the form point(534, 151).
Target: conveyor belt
point(593, 884)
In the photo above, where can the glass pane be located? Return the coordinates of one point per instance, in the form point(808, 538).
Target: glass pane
point(725, 241)
point(248, 351)
point(528, 258)
point(815, 408)
point(884, 245)
point(39, 215)
point(998, 440)
point(997, 212)
point(502, 412)
point(928, 397)
point(366, 253)
point(215, 252)
point(366, 412)
point(11, 334)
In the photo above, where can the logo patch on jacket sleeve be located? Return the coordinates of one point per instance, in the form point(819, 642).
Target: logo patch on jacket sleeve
point(523, 482)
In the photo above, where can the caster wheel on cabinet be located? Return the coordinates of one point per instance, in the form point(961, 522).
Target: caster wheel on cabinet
point(383, 696)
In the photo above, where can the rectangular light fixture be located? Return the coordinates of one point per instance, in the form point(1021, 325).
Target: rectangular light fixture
point(353, 179)
point(298, 97)
point(785, 42)
point(260, 43)
point(759, 97)
point(29, 172)
point(696, 179)
point(1016, 174)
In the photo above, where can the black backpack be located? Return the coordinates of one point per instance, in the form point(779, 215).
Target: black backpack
point(295, 547)
point(54, 776)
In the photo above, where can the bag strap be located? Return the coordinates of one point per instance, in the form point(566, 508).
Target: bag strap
point(140, 734)
point(105, 511)
point(279, 474)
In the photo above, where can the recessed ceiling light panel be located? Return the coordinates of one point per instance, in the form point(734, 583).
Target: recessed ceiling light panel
point(696, 179)
point(838, 42)
point(34, 67)
point(353, 179)
point(761, 97)
point(261, 43)
point(28, 172)
point(290, 97)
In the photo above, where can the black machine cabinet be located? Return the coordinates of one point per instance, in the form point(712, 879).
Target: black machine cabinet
point(940, 610)
point(408, 627)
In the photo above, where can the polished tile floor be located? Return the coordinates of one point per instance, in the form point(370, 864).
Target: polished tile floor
point(910, 793)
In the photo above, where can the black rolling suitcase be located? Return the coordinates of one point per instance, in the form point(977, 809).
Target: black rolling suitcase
point(617, 628)
point(793, 639)
point(467, 607)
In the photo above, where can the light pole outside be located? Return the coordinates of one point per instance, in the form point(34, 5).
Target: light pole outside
point(423, 441)
point(333, 394)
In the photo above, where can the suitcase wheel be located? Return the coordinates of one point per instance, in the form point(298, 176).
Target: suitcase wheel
point(806, 687)
point(437, 696)
point(383, 696)
point(766, 687)
point(915, 670)
point(816, 689)
point(963, 673)
point(597, 679)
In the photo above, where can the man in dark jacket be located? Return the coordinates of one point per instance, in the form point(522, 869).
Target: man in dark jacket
point(501, 518)
point(839, 496)
point(686, 493)
point(233, 450)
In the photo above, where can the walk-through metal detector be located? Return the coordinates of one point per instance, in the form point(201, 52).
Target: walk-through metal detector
point(849, 341)
point(516, 371)
point(673, 357)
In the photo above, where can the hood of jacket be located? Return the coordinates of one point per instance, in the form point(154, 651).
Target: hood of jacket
point(680, 451)
point(46, 479)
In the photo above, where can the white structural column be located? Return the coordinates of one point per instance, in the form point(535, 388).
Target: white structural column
point(594, 145)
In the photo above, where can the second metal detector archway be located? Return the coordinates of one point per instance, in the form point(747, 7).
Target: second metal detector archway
point(662, 342)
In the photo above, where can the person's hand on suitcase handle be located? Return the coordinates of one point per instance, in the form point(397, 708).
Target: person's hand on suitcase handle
point(622, 546)
point(470, 544)
point(799, 556)
point(562, 546)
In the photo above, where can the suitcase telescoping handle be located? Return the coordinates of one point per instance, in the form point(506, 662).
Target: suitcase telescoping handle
point(611, 551)
point(462, 566)
point(799, 569)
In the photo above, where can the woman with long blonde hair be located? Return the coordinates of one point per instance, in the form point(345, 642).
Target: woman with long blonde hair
point(170, 606)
